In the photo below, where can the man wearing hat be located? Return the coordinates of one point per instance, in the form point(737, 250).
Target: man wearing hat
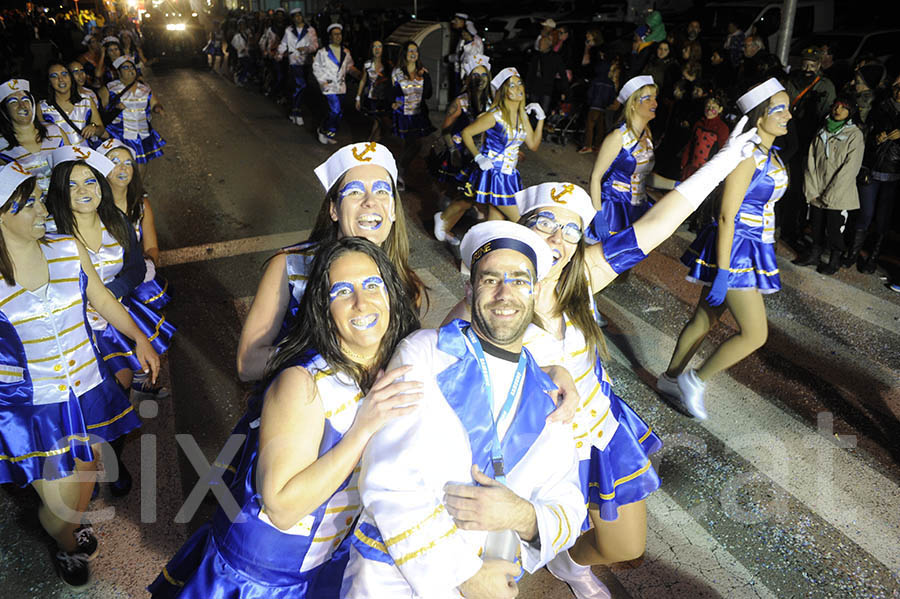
point(330, 68)
point(299, 42)
point(548, 30)
point(475, 478)
point(457, 26)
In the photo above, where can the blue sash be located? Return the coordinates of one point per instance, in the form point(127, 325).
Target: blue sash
point(332, 57)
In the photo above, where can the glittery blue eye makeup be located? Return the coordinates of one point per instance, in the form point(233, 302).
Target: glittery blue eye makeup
point(372, 283)
point(352, 187)
point(115, 160)
point(549, 215)
point(776, 108)
point(518, 282)
point(340, 289)
point(644, 98)
point(382, 186)
point(90, 181)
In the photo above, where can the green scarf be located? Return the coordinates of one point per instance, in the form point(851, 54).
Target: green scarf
point(833, 126)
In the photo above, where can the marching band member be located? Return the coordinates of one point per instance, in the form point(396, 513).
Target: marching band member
point(412, 86)
point(299, 42)
point(296, 480)
point(735, 256)
point(23, 137)
point(330, 68)
point(57, 398)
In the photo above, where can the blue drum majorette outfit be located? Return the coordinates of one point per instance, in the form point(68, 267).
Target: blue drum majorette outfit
point(498, 185)
point(153, 291)
point(623, 188)
point(37, 163)
point(376, 101)
point(411, 117)
point(132, 126)
point(80, 117)
point(612, 441)
point(116, 349)
point(251, 557)
point(753, 264)
point(444, 170)
point(406, 543)
point(54, 389)
point(331, 73)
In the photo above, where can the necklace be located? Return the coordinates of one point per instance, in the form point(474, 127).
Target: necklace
point(358, 358)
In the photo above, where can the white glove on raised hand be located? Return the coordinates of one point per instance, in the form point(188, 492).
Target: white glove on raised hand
point(738, 147)
point(535, 109)
point(484, 162)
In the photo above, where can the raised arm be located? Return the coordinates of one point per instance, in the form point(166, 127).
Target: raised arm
point(267, 313)
point(609, 149)
point(533, 136)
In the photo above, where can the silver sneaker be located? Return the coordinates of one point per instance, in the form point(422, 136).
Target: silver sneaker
point(439, 232)
point(692, 390)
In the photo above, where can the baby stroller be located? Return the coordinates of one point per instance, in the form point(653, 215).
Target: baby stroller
point(566, 122)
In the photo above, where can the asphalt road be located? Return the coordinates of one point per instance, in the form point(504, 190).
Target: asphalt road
point(790, 489)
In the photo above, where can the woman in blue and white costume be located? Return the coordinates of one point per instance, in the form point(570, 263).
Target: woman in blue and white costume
point(494, 179)
point(412, 86)
point(296, 482)
point(136, 100)
point(24, 138)
point(735, 255)
point(77, 116)
point(81, 203)
point(624, 163)
point(57, 398)
point(612, 440)
point(130, 197)
point(361, 200)
point(462, 112)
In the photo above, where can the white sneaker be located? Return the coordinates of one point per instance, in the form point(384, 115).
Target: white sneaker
point(692, 390)
point(439, 232)
point(579, 578)
point(323, 139)
point(297, 120)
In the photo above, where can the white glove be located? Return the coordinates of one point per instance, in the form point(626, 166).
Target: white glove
point(535, 109)
point(484, 162)
point(738, 147)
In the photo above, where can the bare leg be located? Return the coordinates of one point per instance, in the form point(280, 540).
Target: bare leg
point(124, 377)
point(693, 334)
point(610, 542)
point(510, 213)
point(59, 504)
point(749, 311)
point(454, 212)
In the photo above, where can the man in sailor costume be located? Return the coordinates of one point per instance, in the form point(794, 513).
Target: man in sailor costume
point(299, 42)
point(330, 68)
point(475, 481)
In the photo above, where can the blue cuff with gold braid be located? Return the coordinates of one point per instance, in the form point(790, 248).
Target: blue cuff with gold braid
point(621, 250)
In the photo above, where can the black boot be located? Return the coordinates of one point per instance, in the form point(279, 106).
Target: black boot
point(809, 257)
point(852, 255)
point(834, 260)
point(872, 261)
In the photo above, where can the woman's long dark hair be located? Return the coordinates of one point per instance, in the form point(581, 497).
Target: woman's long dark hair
point(479, 100)
point(396, 246)
point(8, 132)
point(59, 203)
point(74, 96)
point(21, 193)
point(314, 330)
point(401, 61)
point(573, 297)
point(134, 202)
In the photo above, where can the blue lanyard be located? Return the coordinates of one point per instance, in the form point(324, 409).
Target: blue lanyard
point(496, 451)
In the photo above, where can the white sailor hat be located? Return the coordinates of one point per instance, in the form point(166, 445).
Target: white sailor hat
point(334, 26)
point(110, 39)
point(461, 15)
point(470, 27)
point(113, 144)
point(122, 60)
point(11, 176)
point(294, 11)
point(759, 94)
point(563, 195)
point(8, 88)
point(91, 157)
point(476, 60)
point(358, 154)
point(486, 237)
point(632, 85)
point(503, 75)
point(87, 39)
